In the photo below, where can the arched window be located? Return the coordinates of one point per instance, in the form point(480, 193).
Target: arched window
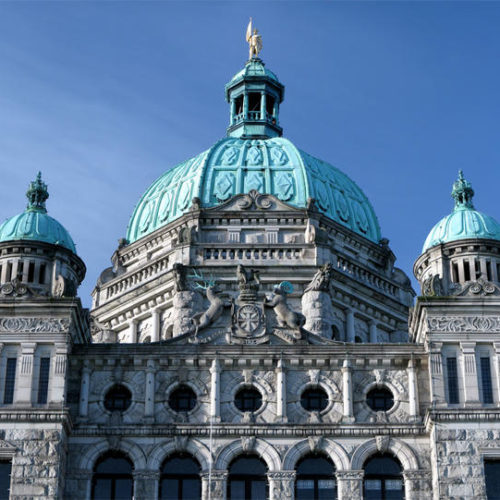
point(180, 478)
point(112, 479)
point(247, 479)
point(383, 478)
point(315, 479)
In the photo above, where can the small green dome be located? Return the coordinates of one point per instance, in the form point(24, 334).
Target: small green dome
point(255, 67)
point(272, 166)
point(464, 222)
point(34, 224)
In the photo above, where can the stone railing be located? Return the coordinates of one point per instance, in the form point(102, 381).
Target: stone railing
point(252, 253)
point(348, 267)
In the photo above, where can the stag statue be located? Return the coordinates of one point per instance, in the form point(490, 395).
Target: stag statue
point(206, 318)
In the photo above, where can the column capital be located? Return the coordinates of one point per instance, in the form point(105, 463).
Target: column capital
point(288, 475)
point(146, 474)
point(350, 475)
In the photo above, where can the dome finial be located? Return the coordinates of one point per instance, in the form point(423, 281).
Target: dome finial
point(462, 192)
point(37, 194)
point(254, 41)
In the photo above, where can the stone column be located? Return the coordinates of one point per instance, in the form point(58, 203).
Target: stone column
point(350, 484)
point(348, 413)
point(373, 332)
point(57, 386)
point(350, 334)
point(417, 484)
point(413, 390)
point(84, 390)
point(132, 331)
point(215, 391)
point(262, 105)
point(149, 403)
point(155, 319)
point(214, 485)
point(245, 106)
point(469, 373)
point(24, 374)
point(281, 485)
point(280, 393)
point(146, 484)
point(436, 369)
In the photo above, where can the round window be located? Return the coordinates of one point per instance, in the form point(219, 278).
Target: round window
point(314, 399)
point(248, 399)
point(380, 399)
point(182, 399)
point(118, 398)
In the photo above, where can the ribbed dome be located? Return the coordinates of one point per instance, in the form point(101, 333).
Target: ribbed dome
point(464, 222)
point(253, 68)
point(273, 166)
point(34, 224)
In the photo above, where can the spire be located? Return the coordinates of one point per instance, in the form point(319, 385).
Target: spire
point(462, 192)
point(37, 194)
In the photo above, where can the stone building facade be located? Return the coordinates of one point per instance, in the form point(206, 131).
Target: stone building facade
point(254, 312)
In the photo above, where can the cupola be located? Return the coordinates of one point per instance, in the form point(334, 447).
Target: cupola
point(37, 254)
point(462, 248)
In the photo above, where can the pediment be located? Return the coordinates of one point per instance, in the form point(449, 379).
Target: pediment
point(254, 201)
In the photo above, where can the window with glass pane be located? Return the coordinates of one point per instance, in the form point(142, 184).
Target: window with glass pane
point(314, 399)
point(118, 398)
point(380, 399)
point(10, 380)
point(315, 479)
point(492, 478)
point(486, 385)
point(383, 479)
point(43, 380)
point(248, 399)
point(247, 479)
point(182, 399)
point(452, 375)
point(5, 470)
point(112, 478)
point(180, 478)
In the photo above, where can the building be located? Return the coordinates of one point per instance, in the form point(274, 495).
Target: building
point(252, 338)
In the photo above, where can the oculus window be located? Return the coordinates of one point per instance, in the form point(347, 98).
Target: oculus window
point(118, 398)
point(248, 399)
point(380, 399)
point(182, 399)
point(314, 399)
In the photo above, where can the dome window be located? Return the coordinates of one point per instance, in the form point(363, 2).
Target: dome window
point(380, 399)
point(182, 399)
point(118, 398)
point(248, 399)
point(314, 399)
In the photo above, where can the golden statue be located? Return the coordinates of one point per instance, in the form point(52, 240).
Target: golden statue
point(254, 40)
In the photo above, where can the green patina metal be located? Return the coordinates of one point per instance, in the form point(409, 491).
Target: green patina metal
point(254, 156)
point(34, 224)
point(464, 222)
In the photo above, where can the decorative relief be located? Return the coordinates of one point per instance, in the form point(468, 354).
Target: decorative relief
point(284, 182)
point(254, 180)
point(184, 195)
point(230, 156)
point(342, 206)
point(223, 186)
point(360, 216)
point(254, 200)
point(278, 156)
point(14, 288)
point(146, 216)
point(456, 324)
point(432, 286)
point(33, 325)
point(480, 287)
point(165, 205)
point(254, 156)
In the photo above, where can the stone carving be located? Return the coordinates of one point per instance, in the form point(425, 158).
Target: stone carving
point(480, 287)
point(187, 235)
point(321, 280)
point(432, 287)
point(254, 200)
point(456, 324)
point(34, 325)
point(180, 277)
point(315, 443)
point(195, 204)
point(14, 288)
point(314, 376)
point(285, 316)
point(248, 443)
point(317, 303)
point(100, 334)
point(382, 443)
point(180, 443)
point(248, 283)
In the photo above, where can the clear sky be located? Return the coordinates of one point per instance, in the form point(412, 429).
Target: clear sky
point(103, 97)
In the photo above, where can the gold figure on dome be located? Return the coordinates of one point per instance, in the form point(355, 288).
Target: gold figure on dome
point(254, 41)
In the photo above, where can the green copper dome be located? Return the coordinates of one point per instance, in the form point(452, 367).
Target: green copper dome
point(34, 224)
point(464, 222)
point(254, 156)
point(273, 166)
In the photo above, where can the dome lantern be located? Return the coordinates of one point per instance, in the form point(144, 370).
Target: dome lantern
point(37, 194)
point(462, 192)
point(254, 95)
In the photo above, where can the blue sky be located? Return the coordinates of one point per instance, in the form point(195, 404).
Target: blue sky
point(103, 97)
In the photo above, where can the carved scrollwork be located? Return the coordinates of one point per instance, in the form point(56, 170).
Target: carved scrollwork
point(457, 324)
point(255, 200)
point(432, 287)
point(480, 287)
point(34, 325)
